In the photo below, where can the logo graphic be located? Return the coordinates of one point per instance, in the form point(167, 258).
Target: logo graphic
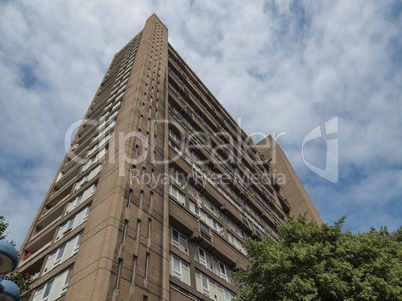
point(330, 172)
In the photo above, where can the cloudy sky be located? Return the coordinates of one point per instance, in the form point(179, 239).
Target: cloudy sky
point(280, 66)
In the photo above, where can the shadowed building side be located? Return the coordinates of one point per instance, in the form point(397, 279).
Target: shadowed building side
point(292, 189)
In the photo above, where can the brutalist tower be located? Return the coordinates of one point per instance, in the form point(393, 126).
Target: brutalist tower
point(158, 191)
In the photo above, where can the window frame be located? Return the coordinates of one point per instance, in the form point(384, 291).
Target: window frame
point(202, 259)
point(60, 255)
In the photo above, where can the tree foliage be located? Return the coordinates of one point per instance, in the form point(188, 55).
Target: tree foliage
point(3, 228)
point(311, 262)
point(22, 281)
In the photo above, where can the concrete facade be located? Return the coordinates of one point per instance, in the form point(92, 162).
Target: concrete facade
point(155, 196)
point(292, 189)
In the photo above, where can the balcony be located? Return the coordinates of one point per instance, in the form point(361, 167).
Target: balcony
point(29, 257)
point(256, 234)
point(180, 218)
point(219, 200)
point(48, 221)
point(276, 185)
point(285, 204)
point(267, 216)
point(187, 112)
point(197, 180)
point(244, 224)
point(54, 208)
point(227, 254)
point(58, 196)
point(75, 157)
point(203, 237)
point(95, 111)
point(36, 247)
point(86, 129)
point(68, 166)
point(67, 177)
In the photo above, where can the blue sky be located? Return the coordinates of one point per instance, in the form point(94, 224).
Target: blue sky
point(280, 66)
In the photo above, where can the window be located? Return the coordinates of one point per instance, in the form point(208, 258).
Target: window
point(176, 268)
point(146, 265)
point(179, 269)
point(60, 255)
point(78, 200)
point(205, 285)
point(145, 298)
point(136, 152)
point(130, 194)
point(55, 288)
point(149, 228)
point(175, 193)
point(204, 228)
point(66, 282)
point(212, 207)
point(197, 210)
point(133, 169)
point(77, 244)
point(227, 297)
point(137, 232)
point(82, 182)
point(232, 239)
point(118, 273)
point(143, 173)
point(215, 225)
point(51, 255)
point(202, 257)
point(223, 271)
point(177, 176)
point(173, 135)
point(140, 199)
point(141, 119)
point(150, 199)
point(48, 289)
point(243, 234)
point(39, 291)
point(133, 269)
point(87, 213)
point(175, 238)
point(123, 238)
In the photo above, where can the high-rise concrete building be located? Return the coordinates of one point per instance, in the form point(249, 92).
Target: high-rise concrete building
point(158, 191)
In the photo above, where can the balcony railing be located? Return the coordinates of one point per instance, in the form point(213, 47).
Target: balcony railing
point(38, 252)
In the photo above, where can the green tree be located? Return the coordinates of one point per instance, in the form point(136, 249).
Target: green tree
point(23, 281)
point(3, 228)
point(311, 262)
